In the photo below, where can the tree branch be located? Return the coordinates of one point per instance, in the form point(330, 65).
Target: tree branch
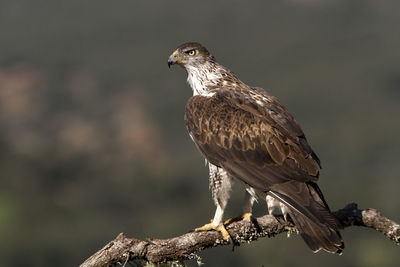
point(123, 249)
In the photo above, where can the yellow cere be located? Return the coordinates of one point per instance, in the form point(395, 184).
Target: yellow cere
point(175, 53)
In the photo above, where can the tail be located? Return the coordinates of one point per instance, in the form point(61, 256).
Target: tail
point(311, 215)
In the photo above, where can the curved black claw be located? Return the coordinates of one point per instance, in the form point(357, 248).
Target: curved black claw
point(233, 243)
point(150, 242)
point(254, 222)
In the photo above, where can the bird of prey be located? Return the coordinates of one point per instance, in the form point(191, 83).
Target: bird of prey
point(245, 134)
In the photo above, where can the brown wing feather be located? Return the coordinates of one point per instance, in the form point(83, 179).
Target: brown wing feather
point(239, 135)
point(285, 120)
point(262, 145)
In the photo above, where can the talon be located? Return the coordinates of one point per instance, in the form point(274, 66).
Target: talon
point(255, 223)
point(206, 227)
point(234, 244)
point(245, 216)
point(225, 235)
point(220, 228)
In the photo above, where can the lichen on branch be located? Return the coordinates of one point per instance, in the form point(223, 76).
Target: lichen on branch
point(177, 249)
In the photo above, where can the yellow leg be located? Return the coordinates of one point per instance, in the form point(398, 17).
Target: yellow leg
point(245, 216)
point(210, 226)
point(206, 227)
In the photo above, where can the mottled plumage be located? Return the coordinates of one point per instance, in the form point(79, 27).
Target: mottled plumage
point(246, 134)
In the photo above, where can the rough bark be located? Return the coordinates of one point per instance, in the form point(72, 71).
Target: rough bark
point(177, 249)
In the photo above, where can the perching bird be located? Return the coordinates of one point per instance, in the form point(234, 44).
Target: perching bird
point(246, 134)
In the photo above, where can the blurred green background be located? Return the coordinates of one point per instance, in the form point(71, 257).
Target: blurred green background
point(92, 137)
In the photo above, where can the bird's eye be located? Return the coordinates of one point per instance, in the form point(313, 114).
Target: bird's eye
point(191, 52)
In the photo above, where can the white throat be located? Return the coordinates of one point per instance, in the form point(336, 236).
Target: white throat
point(202, 78)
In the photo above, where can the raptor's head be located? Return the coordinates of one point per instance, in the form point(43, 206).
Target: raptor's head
point(190, 55)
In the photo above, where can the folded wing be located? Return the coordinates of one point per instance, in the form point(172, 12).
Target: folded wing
point(253, 137)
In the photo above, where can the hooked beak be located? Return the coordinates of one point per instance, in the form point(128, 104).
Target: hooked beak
point(173, 59)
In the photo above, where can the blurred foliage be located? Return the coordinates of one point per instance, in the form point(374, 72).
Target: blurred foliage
point(92, 138)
